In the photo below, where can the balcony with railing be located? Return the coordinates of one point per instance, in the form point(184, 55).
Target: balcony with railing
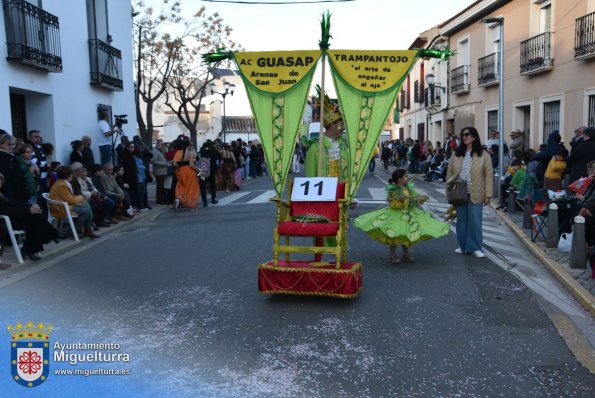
point(404, 102)
point(536, 54)
point(32, 36)
point(584, 39)
point(459, 80)
point(106, 65)
point(432, 97)
point(487, 70)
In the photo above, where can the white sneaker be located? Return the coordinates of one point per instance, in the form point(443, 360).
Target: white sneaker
point(176, 204)
point(479, 254)
point(458, 250)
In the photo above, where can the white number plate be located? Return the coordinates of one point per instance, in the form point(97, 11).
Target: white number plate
point(314, 189)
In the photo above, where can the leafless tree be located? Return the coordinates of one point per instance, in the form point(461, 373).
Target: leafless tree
point(168, 64)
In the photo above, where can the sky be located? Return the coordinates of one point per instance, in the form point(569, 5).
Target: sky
point(357, 25)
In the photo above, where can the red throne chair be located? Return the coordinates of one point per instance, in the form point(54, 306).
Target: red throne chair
point(321, 221)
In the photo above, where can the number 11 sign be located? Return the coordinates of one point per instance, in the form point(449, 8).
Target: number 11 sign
point(314, 189)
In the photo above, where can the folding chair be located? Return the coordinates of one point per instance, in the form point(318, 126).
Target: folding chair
point(14, 234)
point(537, 200)
point(69, 216)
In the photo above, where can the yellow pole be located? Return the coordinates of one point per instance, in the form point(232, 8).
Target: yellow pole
point(320, 135)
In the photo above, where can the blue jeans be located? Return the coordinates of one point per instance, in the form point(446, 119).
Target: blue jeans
point(106, 154)
point(469, 225)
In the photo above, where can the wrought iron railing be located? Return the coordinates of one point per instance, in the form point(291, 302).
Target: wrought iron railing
point(32, 35)
point(106, 65)
point(417, 92)
point(536, 53)
point(584, 41)
point(459, 79)
point(432, 96)
point(487, 69)
point(405, 103)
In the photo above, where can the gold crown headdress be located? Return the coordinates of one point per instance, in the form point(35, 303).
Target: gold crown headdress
point(30, 331)
point(331, 114)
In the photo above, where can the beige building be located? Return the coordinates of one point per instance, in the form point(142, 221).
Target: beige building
point(549, 71)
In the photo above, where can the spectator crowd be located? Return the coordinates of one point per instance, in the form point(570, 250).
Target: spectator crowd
point(564, 170)
point(113, 190)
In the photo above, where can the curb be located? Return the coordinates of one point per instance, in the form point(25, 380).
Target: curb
point(70, 245)
point(582, 295)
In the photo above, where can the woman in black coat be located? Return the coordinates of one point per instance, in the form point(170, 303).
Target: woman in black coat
point(581, 155)
point(130, 176)
point(77, 152)
point(29, 218)
point(14, 178)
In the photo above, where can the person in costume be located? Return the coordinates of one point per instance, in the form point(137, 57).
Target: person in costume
point(187, 189)
point(403, 222)
point(335, 155)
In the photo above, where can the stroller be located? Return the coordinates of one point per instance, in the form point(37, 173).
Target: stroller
point(438, 173)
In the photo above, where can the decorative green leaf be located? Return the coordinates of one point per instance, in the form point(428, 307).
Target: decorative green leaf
point(433, 53)
point(220, 55)
point(325, 27)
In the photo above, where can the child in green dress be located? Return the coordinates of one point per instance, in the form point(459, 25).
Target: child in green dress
point(403, 222)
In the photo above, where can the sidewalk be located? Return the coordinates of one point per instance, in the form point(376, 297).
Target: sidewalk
point(53, 250)
point(578, 281)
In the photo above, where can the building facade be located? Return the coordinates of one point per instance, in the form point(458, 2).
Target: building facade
point(61, 64)
point(548, 70)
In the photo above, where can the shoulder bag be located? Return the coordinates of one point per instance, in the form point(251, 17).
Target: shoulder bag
point(456, 193)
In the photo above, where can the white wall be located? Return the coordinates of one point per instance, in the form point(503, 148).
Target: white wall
point(63, 106)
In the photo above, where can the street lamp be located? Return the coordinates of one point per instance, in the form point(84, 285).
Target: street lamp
point(432, 85)
point(500, 22)
point(431, 80)
point(229, 89)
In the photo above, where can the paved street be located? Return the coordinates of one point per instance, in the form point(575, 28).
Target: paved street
point(177, 291)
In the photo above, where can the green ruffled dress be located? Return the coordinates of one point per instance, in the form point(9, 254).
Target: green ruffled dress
point(403, 223)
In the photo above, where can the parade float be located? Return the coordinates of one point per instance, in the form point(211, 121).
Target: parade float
point(278, 84)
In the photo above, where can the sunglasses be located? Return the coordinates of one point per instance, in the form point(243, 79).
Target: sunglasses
point(467, 135)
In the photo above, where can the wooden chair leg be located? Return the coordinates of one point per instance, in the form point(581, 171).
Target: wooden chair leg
point(318, 242)
point(287, 244)
point(275, 248)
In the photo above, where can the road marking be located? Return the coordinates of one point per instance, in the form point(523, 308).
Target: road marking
point(232, 197)
point(262, 198)
point(378, 193)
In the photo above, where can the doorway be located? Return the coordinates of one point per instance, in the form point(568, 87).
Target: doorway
point(18, 114)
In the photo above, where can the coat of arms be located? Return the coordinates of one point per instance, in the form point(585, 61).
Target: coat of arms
point(29, 353)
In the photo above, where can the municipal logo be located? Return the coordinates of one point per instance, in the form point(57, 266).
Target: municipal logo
point(30, 353)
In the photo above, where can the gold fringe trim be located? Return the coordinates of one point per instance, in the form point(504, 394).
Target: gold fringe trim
point(336, 295)
point(268, 266)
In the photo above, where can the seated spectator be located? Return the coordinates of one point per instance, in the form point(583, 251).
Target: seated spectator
point(62, 191)
point(587, 210)
point(101, 205)
point(104, 180)
point(30, 218)
point(555, 170)
point(30, 171)
point(517, 174)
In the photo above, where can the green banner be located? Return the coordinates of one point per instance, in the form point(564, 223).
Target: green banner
point(367, 83)
point(278, 83)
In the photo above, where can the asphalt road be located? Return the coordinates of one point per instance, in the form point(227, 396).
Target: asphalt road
point(178, 293)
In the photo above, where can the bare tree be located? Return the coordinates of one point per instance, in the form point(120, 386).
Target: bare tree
point(169, 64)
